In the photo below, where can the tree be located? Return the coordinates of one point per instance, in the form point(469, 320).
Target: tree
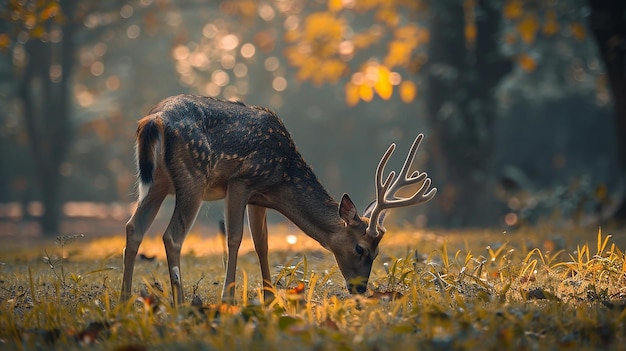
point(391, 53)
point(466, 66)
point(43, 75)
point(462, 58)
point(608, 24)
point(44, 38)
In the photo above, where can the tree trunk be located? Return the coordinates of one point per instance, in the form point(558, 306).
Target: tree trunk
point(461, 110)
point(46, 112)
point(608, 24)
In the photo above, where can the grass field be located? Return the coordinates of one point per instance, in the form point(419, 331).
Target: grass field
point(535, 288)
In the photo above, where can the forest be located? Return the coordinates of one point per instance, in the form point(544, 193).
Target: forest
point(520, 102)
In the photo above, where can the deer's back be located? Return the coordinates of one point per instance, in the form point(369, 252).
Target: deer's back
point(217, 140)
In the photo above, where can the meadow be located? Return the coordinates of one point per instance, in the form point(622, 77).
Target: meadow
point(537, 288)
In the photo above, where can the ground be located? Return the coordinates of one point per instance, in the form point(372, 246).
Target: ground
point(525, 288)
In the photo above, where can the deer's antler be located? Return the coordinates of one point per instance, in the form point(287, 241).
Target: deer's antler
point(386, 190)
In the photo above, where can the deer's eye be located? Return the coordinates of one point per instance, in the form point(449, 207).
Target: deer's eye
point(359, 249)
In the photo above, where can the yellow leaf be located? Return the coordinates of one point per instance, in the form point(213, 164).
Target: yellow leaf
point(332, 70)
point(408, 91)
point(527, 63)
point(408, 32)
point(366, 93)
point(4, 40)
point(30, 20)
point(470, 30)
point(323, 26)
point(423, 35)
point(352, 94)
point(38, 32)
point(399, 53)
point(308, 70)
point(366, 5)
point(527, 28)
point(406, 40)
point(292, 36)
point(50, 11)
point(551, 26)
point(388, 16)
point(335, 5)
point(364, 40)
point(383, 86)
point(578, 30)
point(513, 9)
point(470, 33)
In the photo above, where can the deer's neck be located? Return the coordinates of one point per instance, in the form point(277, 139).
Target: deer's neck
point(309, 206)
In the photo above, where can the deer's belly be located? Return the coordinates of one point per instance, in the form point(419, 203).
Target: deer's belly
point(212, 194)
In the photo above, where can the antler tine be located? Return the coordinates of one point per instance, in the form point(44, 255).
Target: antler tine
point(419, 197)
point(380, 169)
point(385, 191)
point(403, 178)
point(411, 155)
point(381, 188)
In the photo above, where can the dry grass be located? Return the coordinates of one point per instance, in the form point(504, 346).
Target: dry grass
point(534, 288)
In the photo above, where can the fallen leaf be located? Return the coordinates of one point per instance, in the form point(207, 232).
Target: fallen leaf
point(299, 289)
point(329, 324)
point(222, 308)
point(149, 300)
point(90, 334)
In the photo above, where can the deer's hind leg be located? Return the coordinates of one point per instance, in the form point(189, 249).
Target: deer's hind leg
point(184, 215)
point(258, 229)
point(149, 203)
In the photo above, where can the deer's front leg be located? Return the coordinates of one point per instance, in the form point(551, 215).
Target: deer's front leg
point(185, 212)
point(235, 205)
point(258, 228)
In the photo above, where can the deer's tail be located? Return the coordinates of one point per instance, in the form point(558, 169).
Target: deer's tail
point(149, 141)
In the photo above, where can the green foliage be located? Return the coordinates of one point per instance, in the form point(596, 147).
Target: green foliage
point(506, 297)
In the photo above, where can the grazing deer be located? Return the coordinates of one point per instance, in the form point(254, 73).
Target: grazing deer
point(203, 149)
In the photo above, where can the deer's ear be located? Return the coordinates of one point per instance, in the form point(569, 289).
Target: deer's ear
point(348, 212)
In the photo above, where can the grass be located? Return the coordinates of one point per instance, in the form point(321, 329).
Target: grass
point(535, 288)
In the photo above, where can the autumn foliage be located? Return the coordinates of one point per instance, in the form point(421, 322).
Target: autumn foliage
point(386, 54)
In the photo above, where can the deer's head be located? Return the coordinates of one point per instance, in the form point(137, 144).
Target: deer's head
point(358, 246)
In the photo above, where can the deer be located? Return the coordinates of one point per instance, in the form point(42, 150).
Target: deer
point(205, 149)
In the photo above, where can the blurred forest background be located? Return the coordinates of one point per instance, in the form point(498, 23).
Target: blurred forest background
point(521, 101)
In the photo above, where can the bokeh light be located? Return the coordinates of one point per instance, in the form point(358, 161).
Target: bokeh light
point(279, 84)
point(229, 42)
point(247, 50)
point(133, 31)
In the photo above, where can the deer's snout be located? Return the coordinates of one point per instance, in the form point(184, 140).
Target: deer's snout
point(357, 288)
